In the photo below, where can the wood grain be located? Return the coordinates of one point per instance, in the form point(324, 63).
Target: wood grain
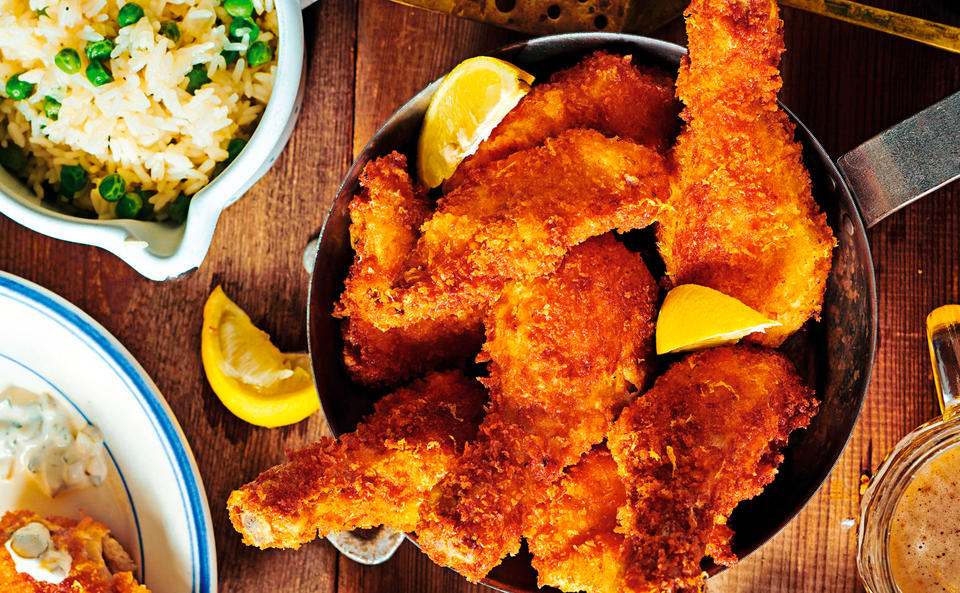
point(365, 58)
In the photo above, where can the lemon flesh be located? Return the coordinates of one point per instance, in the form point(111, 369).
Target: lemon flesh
point(472, 99)
point(695, 317)
point(253, 379)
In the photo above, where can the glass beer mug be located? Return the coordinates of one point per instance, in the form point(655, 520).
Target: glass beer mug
point(909, 536)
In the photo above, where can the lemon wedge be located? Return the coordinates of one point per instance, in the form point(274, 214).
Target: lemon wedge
point(470, 102)
point(252, 378)
point(694, 317)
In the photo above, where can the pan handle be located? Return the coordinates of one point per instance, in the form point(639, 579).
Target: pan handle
point(905, 162)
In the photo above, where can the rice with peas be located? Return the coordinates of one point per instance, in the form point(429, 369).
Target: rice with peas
point(159, 124)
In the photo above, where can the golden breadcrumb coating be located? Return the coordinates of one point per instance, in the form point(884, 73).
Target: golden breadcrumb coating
point(375, 475)
point(706, 436)
point(566, 352)
point(385, 219)
point(572, 531)
point(604, 92)
point(90, 546)
point(516, 219)
point(741, 218)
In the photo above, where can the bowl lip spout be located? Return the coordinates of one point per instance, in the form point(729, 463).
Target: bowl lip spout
point(161, 251)
point(847, 310)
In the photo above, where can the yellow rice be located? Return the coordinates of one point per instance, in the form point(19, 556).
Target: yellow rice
point(144, 125)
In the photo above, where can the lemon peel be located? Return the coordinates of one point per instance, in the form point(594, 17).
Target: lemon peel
point(254, 380)
point(695, 317)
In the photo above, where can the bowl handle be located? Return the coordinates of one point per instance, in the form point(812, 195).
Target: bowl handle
point(905, 162)
point(943, 338)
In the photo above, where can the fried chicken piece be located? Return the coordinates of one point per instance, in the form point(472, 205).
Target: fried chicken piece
point(706, 436)
point(741, 218)
point(572, 531)
point(385, 221)
point(516, 219)
point(604, 92)
point(378, 474)
point(566, 352)
point(97, 561)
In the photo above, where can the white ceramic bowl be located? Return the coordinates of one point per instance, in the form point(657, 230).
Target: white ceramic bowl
point(161, 251)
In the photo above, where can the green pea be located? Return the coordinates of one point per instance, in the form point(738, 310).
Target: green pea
point(112, 187)
point(234, 147)
point(259, 54)
point(230, 56)
point(170, 30)
point(197, 77)
point(240, 27)
point(72, 179)
point(51, 107)
point(129, 205)
point(129, 14)
point(238, 8)
point(98, 74)
point(68, 60)
point(19, 89)
point(146, 212)
point(99, 50)
point(177, 210)
point(13, 158)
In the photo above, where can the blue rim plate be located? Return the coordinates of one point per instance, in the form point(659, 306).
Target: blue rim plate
point(154, 501)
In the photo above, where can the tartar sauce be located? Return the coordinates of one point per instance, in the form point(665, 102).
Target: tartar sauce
point(52, 444)
point(37, 555)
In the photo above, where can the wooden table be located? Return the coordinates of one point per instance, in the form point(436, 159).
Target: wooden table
point(365, 58)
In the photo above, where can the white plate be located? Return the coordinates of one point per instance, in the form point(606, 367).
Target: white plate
point(154, 501)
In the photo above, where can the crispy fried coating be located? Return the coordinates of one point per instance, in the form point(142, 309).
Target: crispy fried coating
point(516, 219)
point(572, 531)
point(706, 436)
point(566, 351)
point(378, 474)
point(741, 218)
point(604, 92)
point(99, 564)
point(385, 221)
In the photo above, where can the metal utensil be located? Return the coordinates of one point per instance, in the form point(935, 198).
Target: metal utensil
point(541, 17)
point(901, 25)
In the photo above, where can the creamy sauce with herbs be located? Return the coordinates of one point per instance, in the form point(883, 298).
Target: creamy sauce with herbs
point(51, 443)
point(925, 530)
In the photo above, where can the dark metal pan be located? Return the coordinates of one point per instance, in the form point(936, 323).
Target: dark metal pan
point(835, 354)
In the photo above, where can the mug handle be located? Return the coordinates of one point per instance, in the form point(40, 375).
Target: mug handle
point(905, 162)
point(943, 338)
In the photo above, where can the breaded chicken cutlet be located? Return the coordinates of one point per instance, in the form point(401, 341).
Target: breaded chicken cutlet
point(567, 352)
point(741, 218)
point(705, 437)
point(516, 219)
point(378, 474)
point(572, 531)
point(97, 562)
point(604, 92)
point(385, 219)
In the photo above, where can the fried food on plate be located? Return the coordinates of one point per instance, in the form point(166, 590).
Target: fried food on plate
point(604, 92)
point(567, 352)
point(378, 474)
point(385, 219)
point(571, 532)
point(741, 218)
point(706, 436)
point(60, 555)
point(516, 219)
